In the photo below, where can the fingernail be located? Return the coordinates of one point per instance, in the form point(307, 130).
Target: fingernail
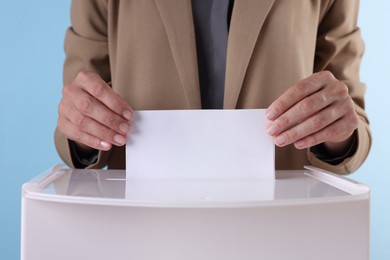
point(105, 145)
point(272, 129)
point(124, 128)
point(127, 114)
point(119, 139)
point(300, 144)
point(280, 140)
point(270, 114)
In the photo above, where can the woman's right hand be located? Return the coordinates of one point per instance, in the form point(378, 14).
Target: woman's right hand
point(92, 114)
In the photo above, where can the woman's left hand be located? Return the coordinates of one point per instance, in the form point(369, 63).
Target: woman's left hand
point(315, 110)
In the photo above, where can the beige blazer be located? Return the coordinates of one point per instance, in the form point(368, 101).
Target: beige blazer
point(147, 49)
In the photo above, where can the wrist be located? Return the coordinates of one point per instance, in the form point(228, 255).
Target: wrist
point(339, 148)
point(336, 152)
point(82, 155)
point(84, 150)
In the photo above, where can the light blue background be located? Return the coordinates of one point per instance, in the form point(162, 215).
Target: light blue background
point(31, 57)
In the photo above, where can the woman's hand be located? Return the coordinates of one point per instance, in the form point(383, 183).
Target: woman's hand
point(92, 114)
point(315, 110)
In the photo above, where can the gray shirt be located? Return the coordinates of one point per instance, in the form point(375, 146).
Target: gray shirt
point(211, 22)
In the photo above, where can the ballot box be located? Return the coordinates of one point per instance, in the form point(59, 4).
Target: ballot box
point(99, 214)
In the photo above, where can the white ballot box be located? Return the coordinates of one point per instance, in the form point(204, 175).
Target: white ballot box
point(98, 214)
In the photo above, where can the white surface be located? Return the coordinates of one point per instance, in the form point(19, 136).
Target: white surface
point(87, 214)
point(110, 187)
point(200, 144)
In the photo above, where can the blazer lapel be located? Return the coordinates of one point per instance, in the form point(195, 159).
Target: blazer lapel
point(178, 22)
point(247, 20)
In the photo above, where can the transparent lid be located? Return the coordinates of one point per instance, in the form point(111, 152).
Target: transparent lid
point(110, 187)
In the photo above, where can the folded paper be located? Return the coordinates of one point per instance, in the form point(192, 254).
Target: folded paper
point(200, 144)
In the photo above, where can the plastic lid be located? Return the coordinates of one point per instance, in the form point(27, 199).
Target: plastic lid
point(109, 187)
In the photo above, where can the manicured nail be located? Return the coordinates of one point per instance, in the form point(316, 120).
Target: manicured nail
point(119, 139)
point(127, 114)
point(300, 144)
point(124, 128)
point(270, 114)
point(280, 140)
point(105, 145)
point(272, 129)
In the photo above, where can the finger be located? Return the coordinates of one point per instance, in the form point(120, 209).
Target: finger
point(98, 88)
point(93, 108)
point(335, 129)
point(297, 92)
point(76, 134)
point(93, 127)
point(311, 125)
point(299, 112)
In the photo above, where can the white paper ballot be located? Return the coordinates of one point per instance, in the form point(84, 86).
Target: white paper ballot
point(200, 144)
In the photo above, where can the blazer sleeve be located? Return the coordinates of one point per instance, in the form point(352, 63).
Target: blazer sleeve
point(86, 49)
point(339, 49)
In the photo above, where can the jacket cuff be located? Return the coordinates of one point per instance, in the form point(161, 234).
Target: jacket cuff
point(82, 161)
point(323, 154)
point(351, 163)
point(64, 150)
